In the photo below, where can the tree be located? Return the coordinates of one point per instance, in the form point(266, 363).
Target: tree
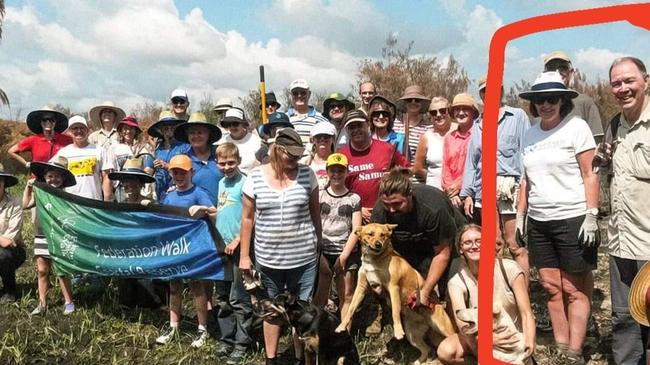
point(146, 113)
point(398, 69)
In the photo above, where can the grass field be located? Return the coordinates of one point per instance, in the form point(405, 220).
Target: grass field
point(101, 331)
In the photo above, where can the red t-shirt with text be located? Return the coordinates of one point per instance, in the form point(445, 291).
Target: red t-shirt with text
point(366, 168)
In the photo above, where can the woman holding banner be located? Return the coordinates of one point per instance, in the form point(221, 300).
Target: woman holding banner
point(282, 198)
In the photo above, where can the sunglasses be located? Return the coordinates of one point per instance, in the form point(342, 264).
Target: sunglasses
point(551, 99)
point(231, 124)
point(413, 100)
point(337, 105)
point(178, 101)
point(299, 93)
point(48, 119)
point(561, 67)
point(377, 115)
point(436, 112)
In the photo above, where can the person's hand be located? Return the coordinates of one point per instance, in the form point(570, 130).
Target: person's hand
point(520, 234)
point(145, 202)
point(27, 165)
point(589, 235)
point(232, 247)
point(529, 349)
point(455, 200)
point(469, 206)
point(452, 191)
point(245, 265)
point(160, 164)
point(365, 215)
point(425, 294)
point(199, 211)
point(338, 266)
point(30, 182)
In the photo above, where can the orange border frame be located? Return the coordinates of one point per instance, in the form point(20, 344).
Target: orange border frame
point(636, 14)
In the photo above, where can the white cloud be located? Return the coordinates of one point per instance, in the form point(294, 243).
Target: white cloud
point(595, 62)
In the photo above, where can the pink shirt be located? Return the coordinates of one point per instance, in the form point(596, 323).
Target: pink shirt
point(454, 152)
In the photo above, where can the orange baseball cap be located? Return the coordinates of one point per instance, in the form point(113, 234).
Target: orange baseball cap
point(182, 162)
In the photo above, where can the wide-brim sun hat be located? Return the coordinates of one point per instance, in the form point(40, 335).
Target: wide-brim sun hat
point(416, 92)
point(272, 100)
point(35, 117)
point(39, 169)
point(277, 119)
point(10, 180)
point(95, 111)
point(375, 106)
point(464, 99)
point(133, 168)
point(336, 97)
point(166, 118)
point(548, 83)
point(197, 119)
point(637, 296)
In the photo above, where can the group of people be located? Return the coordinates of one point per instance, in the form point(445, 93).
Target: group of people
point(288, 195)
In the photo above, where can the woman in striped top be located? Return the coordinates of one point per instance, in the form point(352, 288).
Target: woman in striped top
point(281, 197)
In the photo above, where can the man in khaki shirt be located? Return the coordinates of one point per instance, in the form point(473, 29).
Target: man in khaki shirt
point(12, 252)
point(627, 150)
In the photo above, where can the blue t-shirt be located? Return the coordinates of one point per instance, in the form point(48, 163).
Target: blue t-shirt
point(206, 175)
point(185, 199)
point(163, 179)
point(230, 207)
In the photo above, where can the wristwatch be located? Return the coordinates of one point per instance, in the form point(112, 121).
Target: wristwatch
point(592, 211)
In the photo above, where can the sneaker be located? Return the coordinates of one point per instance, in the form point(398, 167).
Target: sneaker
point(237, 356)
point(41, 309)
point(200, 339)
point(223, 349)
point(168, 335)
point(68, 309)
point(571, 358)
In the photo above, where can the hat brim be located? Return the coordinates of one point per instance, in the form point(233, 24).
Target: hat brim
point(326, 105)
point(180, 132)
point(424, 103)
point(34, 121)
point(295, 151)
point(121, 123)
point(155, 132)
point(143, 177)
point(10, 180)
point(95, 120)
point(40, 168)
point(266, 128)
point(233, 120)
point(637, 295)
point(530, 95)
point(355, 120)
point(473, 106)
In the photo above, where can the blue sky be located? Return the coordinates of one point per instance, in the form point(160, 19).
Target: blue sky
point(79, 53)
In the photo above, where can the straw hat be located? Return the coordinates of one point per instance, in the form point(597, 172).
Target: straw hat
point(556, 55)
point(166, 118)
point(39, 169)
point(464, 99)
point(548, 83)
point(10, 180)
point(180, 132)
point(637, 296)
point(482, 82)
point(96, 110)
point(133, 168)
point(34, 120)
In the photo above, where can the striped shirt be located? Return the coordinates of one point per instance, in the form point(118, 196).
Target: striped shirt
point(285, 236)
point(414, 136)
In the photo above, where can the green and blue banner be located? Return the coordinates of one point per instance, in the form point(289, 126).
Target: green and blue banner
point(128, 240)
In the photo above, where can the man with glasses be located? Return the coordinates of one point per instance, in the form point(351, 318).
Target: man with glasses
point(584, 106)
point(512, 125)
point(366, 92)
point(236, 123)
point(179, 104)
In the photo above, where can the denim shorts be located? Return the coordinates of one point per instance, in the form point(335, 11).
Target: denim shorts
point(300, 280)
point(554, 244)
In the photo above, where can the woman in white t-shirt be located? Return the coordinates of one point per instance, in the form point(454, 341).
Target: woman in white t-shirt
point(428, 156)
point(560, 195)
point(514, 331)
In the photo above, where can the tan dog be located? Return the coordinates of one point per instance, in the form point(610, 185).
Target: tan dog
point(382, 268)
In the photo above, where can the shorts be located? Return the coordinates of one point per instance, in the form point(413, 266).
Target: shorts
point(40, 247)
point(353, 264)
point(554, 244)
point(300, 280)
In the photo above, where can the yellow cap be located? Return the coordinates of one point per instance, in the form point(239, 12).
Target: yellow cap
point(337, 159)
point(180, 162)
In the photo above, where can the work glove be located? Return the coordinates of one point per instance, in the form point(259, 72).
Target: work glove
point(520, 234)
point(589, 235)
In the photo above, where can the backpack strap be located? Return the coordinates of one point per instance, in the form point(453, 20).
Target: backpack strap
point(462, 278)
